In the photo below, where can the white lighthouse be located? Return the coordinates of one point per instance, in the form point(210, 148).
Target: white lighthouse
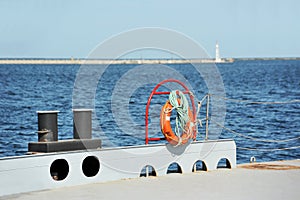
point(218, 58)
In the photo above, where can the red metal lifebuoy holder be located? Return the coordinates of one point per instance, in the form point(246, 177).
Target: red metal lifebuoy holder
point(154, 92)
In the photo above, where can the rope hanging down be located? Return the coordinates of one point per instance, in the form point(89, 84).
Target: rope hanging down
point(182, 108)
point(262, 140)
point(256, 102)
point(279, 149)
point(253, 138)
point(249, 137)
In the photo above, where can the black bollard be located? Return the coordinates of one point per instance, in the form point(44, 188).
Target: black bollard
point(47, 126)
point(48, 137)
point(82, 123)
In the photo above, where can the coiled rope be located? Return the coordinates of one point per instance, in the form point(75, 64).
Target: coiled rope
point(182, 109)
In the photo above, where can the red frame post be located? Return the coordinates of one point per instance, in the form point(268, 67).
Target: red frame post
point(154, 92)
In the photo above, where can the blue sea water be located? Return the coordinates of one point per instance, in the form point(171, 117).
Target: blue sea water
point(25, 89)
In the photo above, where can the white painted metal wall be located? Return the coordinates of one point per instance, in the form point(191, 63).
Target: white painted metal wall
point(32, 172)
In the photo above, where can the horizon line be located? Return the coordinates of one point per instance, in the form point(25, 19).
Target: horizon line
point(167, 58)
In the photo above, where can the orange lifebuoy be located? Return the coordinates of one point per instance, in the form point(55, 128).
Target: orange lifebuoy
point(171, 137)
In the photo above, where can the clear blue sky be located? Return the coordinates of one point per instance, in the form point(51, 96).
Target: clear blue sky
point(72, 28)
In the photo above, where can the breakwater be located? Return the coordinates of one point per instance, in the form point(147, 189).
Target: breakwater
point(80, 61)
point(110, 61)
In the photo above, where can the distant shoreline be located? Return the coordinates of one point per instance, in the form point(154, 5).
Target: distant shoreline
point(80, 61)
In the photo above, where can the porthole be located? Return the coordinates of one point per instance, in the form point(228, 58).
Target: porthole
point(59, 169)
point(174, 168)
point(90, 166)
point(199, 166)
point(148, 170)
point(224, 163)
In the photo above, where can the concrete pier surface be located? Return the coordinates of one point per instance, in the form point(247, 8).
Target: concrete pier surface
point(271, 180)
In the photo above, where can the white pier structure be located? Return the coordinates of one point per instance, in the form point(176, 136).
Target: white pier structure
point(82, 160)
point(53, 170)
